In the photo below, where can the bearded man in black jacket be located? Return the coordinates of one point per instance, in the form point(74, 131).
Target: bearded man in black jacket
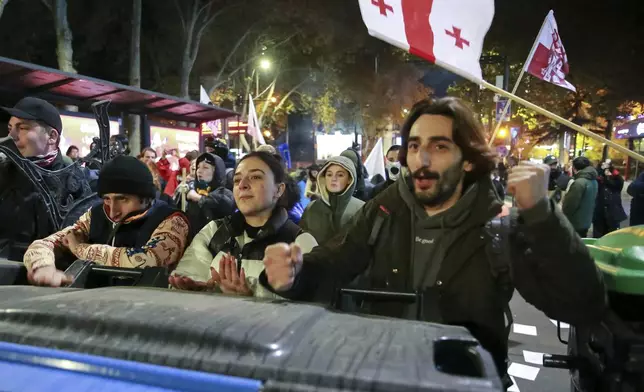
point(431, 233)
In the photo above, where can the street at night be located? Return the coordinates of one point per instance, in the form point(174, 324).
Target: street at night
point(335, 195)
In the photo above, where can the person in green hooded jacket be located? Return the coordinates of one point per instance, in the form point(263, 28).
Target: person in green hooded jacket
point(324, 218)
point(579, 203)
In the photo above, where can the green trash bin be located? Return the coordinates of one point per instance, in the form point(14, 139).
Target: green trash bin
point(610, 357)
point(620, 257)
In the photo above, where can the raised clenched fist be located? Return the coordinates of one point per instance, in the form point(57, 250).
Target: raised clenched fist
point(528, 183)
point(282, 263)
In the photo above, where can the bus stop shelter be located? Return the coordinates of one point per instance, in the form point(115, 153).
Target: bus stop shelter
point(19, 79)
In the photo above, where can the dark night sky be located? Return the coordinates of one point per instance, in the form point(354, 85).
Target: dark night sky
point(604, 38)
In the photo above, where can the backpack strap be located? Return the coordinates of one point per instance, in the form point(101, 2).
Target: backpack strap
point(498, 252)
point(383, 214)
point(223, 240)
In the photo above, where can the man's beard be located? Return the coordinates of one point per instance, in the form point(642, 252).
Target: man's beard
point(445, 187)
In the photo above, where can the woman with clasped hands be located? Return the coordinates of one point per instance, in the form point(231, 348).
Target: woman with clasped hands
point(227, 254)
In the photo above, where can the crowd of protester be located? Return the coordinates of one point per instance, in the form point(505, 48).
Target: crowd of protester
point(251, 228)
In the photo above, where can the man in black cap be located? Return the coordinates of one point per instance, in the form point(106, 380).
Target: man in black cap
point(34, 127)
point(129, 229)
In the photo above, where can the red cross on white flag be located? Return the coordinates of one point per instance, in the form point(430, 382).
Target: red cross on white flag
point(446, 32)
point(548, 60)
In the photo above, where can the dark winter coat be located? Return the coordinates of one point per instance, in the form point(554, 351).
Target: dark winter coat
point(608, 207)
point(636, 190)
point(579, 203)
point(23, 218)
point(217, 204)
point(551, 267)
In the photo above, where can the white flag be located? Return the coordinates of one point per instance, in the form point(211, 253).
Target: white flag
point(449, 33)
point(548, 60)
point(203, 97)
point(375, 163)
point(254, 129)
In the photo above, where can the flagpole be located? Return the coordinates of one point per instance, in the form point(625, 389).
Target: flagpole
point(541, 110)
point(516, 85)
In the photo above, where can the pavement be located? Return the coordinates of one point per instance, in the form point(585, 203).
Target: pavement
point(534, 334)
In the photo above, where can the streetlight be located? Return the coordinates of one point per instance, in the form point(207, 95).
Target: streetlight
point(503, 133)
point(265, 64)
point(273, 99)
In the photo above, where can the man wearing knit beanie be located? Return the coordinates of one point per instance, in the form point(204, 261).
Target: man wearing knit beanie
point(130, 228)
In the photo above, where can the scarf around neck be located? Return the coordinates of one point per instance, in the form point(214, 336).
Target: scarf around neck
point(45, 160)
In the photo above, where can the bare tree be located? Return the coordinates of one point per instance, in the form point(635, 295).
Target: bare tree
point(135, 73)
point(3, 3)
point(64, 38)
point(135, 44)
point(194, 22)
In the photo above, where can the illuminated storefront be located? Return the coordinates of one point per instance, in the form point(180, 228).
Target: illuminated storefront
point(633, 130)
point(80, 132)
point(332, 144)
point(168, 138)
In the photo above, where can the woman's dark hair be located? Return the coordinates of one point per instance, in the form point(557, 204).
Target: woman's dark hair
point(292, 192)
point(192, 155)
point(467, 133)
point(310, 171)
point(70, 149)
point(146, 150)
point(274, 162)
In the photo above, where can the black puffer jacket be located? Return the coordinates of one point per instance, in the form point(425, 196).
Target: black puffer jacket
point(636, 190)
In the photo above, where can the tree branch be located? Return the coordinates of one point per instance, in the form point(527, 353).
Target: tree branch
point(285, 98)
point(209, 20)
point(207, 6)
point(3, 3)
point(48, 4)
point(181, 18)
point(230, 56)
point(244, 64)
point(268, 99)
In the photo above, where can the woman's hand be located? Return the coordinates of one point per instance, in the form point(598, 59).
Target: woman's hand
point(183, 188)
point(185, 283)
point(228, 280)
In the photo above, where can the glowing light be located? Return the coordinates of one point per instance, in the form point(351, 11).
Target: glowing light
point(265, 64)
point(273, 99)
point(267, 133)
point(503, 133)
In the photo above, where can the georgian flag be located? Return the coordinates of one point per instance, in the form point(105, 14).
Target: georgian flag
point(548, 60)
point(449, 33)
